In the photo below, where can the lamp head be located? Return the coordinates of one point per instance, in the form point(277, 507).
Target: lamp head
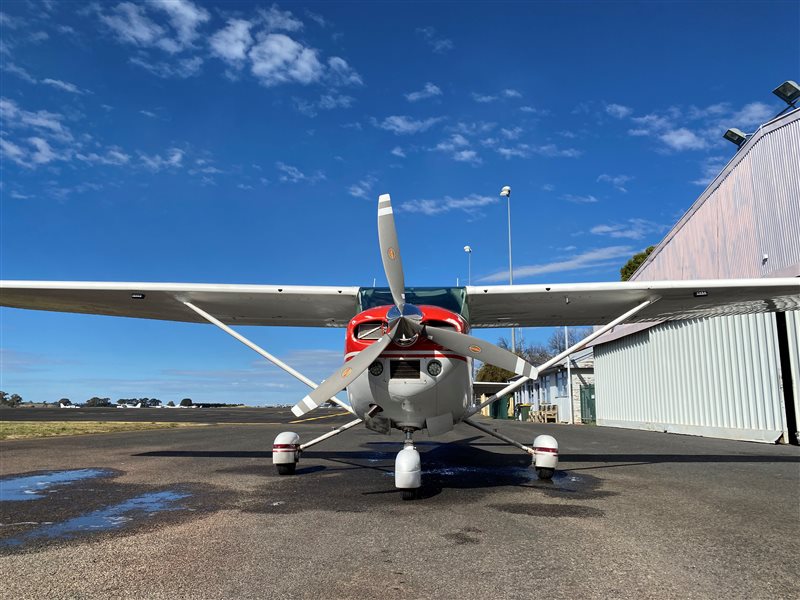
point(506, 191)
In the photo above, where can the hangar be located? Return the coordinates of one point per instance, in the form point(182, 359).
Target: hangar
point(735, 377)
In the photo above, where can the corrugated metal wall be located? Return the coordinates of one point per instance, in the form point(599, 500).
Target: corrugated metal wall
point(717, 377)
point(750, 210)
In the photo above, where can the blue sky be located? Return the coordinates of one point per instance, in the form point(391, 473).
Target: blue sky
point(247, 143)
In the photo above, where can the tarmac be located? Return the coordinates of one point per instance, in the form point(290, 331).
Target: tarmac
point(201, 513)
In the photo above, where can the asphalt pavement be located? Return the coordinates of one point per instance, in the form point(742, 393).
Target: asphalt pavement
point(201, 513)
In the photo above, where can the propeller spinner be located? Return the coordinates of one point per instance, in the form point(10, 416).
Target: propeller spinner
point(406, 326)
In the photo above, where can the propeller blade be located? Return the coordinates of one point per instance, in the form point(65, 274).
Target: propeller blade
point(390, 251)
point(344, 376)
point(466, 345)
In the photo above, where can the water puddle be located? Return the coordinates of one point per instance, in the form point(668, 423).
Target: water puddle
point(111, 517)
point(35, 487)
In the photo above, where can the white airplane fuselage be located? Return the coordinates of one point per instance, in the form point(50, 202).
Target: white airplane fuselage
point(416, 386)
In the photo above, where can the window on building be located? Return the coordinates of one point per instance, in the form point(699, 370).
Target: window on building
point(561, 383)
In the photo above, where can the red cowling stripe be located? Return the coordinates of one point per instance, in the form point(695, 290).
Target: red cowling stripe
point(551, 450)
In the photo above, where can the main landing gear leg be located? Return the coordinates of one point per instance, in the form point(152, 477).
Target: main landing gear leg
point(544, 451)
point(408, 468)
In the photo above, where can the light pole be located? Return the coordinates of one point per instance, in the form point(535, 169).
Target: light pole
point(506, 191)
point(468, 250)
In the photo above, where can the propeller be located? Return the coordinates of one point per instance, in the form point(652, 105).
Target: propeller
point(343, 377)
point(405, 326)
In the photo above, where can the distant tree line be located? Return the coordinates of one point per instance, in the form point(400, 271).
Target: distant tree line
point(7, 399)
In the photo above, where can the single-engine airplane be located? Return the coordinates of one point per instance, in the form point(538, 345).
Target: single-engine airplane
point(408, 350)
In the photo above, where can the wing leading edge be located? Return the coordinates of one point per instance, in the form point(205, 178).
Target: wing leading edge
point(300, 306)
point(597, 303)
point(486, 306)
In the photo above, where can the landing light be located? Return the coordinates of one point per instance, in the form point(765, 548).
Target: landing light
point(376, 368)
point(434, 368)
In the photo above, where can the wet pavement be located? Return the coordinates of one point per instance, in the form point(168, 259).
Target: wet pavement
point(201, 513)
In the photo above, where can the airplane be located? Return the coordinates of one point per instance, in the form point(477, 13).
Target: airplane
point(128, 405)
point(408, 351)
point(62, 405)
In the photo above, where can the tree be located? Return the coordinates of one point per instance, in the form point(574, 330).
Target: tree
point(98, 402)
point(10, 400)
point(634, 263)
point(555, 345)
point(170, 403)
point(186, 402)
point(65, 402)
point(535, 354)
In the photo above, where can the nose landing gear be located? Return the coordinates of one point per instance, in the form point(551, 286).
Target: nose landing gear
point(408, 468)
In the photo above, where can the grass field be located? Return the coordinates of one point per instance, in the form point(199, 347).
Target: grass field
point(35, 429)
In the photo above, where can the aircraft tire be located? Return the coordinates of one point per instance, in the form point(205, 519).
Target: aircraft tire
point(286, 469)
point(545, 473)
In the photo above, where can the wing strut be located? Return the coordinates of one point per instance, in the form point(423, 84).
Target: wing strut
point(579, 346)
point(273, 359)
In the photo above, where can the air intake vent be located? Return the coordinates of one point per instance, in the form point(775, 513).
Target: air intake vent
point(404, 369)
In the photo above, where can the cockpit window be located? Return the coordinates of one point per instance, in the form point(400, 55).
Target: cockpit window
point(452, 299)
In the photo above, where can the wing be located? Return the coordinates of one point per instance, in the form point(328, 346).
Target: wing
point(302, 306)
point(597, 303)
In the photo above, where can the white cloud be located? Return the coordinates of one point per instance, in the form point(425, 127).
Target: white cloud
point(184, 16)
point(181, 69)
point(553, 151)
point(454, 141)
point(279, 59)
point(618, 181)
point(634, 229)
point(511, 93)
point(398, 151)
point(483, 98)
point(683, 139)
point(42, 153)
point(363, 188)
point(711, 167)
point(520, 151)
point(438, 44)
point(174, 159)
point(649, 124)
point(576, 199)
point(468, 204)
point(292, 174)
point(340, 73)
point(232, 43)
point(534, 111)
point(112, 156)
point(599, 257)
point(618, 111)
point(148, 113)
point(325, 102)
point(14, 152)
point(404, 125)
point(42, 120)
point(511, 134)
point(10, 67)
point(469, 156)
point(279, 20)
point(62, 85)
point(132, 25)
point(429, 91)
point(753, 115)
